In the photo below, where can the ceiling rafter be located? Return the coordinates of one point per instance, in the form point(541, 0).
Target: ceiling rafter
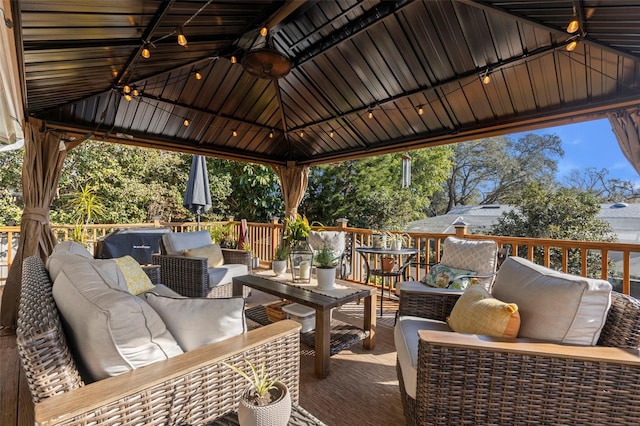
point(409, 93)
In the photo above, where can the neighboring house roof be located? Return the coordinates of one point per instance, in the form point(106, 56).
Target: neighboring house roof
point(624, 219)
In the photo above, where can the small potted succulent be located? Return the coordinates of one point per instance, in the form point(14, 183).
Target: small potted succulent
point(326, 263)
point(266, 401)
point(279, 262)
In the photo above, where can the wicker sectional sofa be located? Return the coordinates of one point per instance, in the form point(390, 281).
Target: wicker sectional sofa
point(193, 387)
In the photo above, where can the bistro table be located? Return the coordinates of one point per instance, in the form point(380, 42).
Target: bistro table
point(396, 273)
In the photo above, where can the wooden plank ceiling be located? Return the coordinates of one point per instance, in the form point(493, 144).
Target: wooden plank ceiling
point(367, 77)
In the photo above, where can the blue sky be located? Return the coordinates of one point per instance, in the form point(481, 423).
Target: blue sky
point(591, 144)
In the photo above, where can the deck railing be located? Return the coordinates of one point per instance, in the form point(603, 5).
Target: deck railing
point(610, 261)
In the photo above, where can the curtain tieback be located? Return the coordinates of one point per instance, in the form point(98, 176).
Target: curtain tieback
point(37, 214)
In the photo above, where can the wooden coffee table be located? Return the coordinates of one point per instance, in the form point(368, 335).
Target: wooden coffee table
point(322, 303)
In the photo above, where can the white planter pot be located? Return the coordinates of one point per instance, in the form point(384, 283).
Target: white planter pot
point(326, 278)
point(279, 267)
point(379, 241)
point(396, 245)
point(275, 414)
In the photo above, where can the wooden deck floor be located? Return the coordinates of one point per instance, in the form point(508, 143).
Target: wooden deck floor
point(361, 389)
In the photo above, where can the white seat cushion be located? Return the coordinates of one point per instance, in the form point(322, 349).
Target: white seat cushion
point(405, 336)
point(175, 242)
point(553, 305)
point(224, 274)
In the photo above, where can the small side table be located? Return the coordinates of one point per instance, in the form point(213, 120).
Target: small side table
point(394, 273)
point(299, 417)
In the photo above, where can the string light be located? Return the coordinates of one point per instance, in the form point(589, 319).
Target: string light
point(572, 45)
point(186, 122)
point(485, 78)
point(233, 59)
point(264, 31)
point(235, 133)
point(271, 134)
point(135, 92)
point(145, 52)
point(420, 110)
point(198, 75)
point(182, 40)
point(370, 114)
point(128, 97)
point(301, 133)
point(126, 89)
point(331, 134)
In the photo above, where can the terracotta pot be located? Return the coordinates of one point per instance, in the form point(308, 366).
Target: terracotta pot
point(388, 263)
point(275, 414)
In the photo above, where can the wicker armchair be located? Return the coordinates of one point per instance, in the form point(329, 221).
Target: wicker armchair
point(192, 388)
point(189, 276)
point(471, 379)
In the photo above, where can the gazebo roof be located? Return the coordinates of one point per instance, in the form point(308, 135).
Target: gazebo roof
point(392, 60)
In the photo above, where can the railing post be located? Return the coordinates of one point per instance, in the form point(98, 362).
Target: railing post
point(342, 223)
point(461, 228)
point(275, 236)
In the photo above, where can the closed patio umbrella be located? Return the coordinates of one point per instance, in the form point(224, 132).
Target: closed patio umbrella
point(197, 197)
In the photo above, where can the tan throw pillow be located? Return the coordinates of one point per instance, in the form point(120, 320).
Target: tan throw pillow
point(212, 252)
point(196, 322)
point(137, 280)
point(477, 312)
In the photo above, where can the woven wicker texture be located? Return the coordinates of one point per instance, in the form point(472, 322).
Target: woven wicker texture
point(44, 354)
point(188, 276)
point(479, 386)
point(195, 396)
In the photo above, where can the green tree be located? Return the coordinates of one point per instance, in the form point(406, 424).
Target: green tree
point(495, 170)
point(11, 203)
point(543, 212)
point(369, 191)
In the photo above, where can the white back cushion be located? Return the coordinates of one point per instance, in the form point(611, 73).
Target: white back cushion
point(175, 242)
point(480, 256)
point(196, 322)
point(553, 305)
point(111, 330)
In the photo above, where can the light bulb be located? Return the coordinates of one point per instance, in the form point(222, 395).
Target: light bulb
point(573, 26)
point(145, 53)
point(235, 133)
point(301, 134)
point(126, 88)
point(135, 92)
point(486, 79)
point(264, 31)
point(182, 40)
point(233, 59)
point(198, 75)
point(331, 134)
point(128, 97)
point(271, 134)
point(572, 46)
point(186, 122)
point(420, 110)
point(370, 114)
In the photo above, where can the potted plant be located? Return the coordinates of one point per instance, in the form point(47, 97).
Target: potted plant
point(221, 234)
point(255, 261)
point(397, 240)
point(379, 239)
point(267, 401)
point(296, 232)
point(279, 262)
point(326, 263)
